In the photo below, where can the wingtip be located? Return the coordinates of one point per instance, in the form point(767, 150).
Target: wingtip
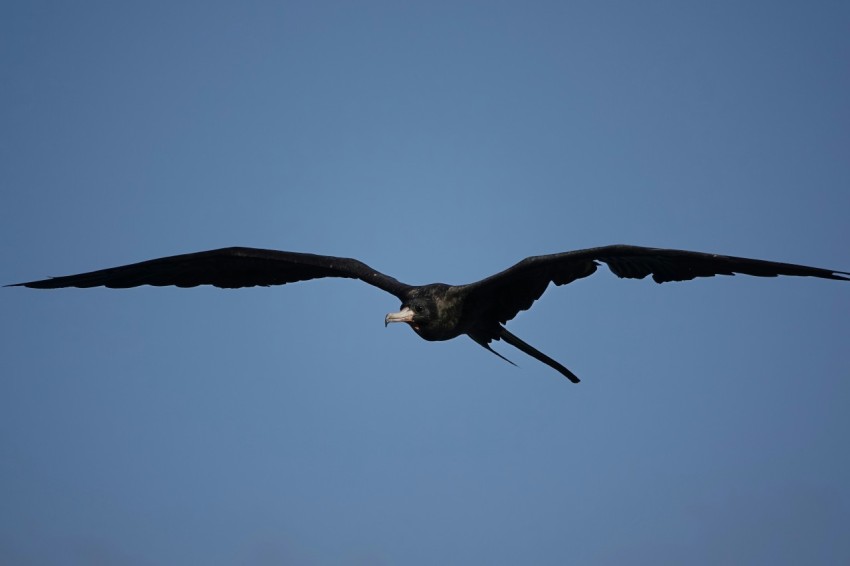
point(41, 284)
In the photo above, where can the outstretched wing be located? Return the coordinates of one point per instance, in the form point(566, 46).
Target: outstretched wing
point(503, 295)
point(227, 268)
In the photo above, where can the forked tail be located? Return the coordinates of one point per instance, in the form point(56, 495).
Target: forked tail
point(531, 351)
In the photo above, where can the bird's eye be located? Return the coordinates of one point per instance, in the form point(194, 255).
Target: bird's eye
point(418, 308)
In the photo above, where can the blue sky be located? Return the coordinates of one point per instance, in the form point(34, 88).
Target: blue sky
point(438, 142)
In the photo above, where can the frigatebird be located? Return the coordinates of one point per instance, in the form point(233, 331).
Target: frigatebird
point(437, 311)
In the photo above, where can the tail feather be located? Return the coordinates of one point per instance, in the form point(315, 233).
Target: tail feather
point(540, 356)
point(487, 346)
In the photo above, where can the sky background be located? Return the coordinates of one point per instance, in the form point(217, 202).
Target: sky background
point(438, 141)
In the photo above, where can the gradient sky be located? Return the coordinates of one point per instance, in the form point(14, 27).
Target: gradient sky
point(438, 141)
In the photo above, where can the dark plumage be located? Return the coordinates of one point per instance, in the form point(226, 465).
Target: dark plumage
point(437, 311)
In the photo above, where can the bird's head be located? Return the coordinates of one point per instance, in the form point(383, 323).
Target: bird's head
point(418, 312)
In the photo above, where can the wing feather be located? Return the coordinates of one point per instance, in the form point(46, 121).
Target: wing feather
point(228, 268)
point(502, 296)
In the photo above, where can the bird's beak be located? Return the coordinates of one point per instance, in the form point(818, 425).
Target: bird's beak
point(404, 315)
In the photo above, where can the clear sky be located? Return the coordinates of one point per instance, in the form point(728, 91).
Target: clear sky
point(436, 141)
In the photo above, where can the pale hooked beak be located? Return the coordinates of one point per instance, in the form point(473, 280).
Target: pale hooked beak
point(404, 315)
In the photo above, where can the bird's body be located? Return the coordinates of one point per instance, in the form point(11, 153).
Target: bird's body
point(437, 311)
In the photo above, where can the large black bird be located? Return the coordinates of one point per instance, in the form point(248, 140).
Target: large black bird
point(436, 311)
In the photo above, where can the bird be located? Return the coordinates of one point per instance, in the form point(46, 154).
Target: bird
point(436, 311)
